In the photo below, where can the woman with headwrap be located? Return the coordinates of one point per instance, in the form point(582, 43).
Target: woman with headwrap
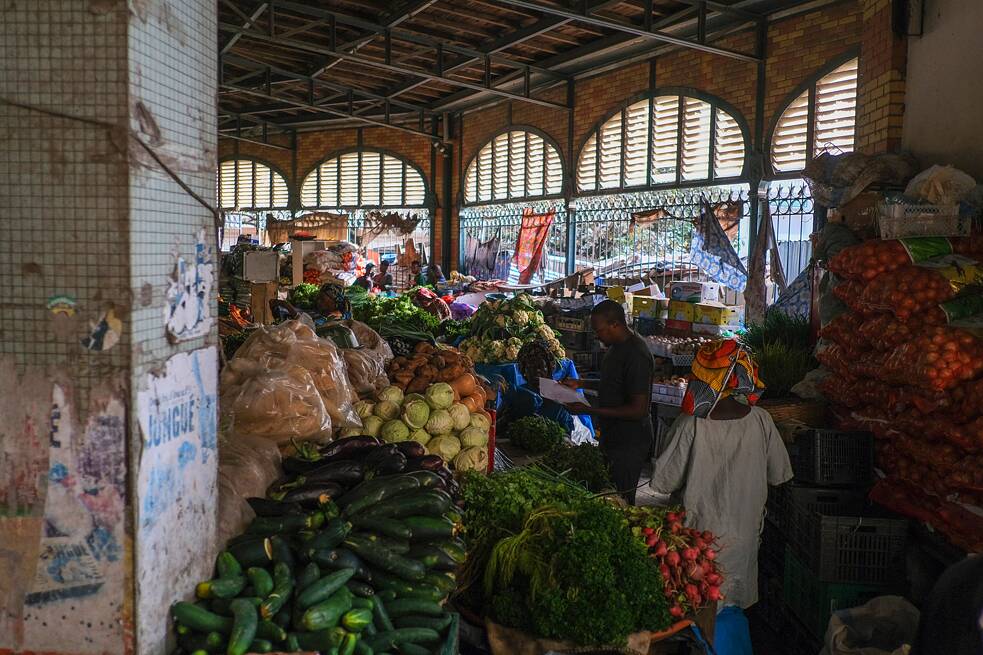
point(722, 454)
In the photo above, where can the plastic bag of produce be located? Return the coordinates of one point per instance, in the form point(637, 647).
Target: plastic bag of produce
point(274, 403)
point(365, 372)
point(247, 465)
point(941, 358)
point(883, 626)
point(371, 341)
point(843, 329)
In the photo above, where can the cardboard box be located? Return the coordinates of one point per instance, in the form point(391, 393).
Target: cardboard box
point(617, 294)
point(717, 314)
point(679, 326)
point(681, 311)
point(694, 291)
point(644, 306)
point(714, 330)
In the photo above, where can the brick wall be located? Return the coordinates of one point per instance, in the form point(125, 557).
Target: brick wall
point(882, 81)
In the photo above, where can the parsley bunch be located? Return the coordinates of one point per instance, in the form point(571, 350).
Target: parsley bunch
point(535, 434)
point(584, 463)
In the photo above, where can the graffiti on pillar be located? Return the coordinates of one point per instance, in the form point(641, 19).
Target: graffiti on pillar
point(188, 311)
point(176, 482)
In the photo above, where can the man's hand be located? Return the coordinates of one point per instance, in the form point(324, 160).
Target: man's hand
point(579, 408)
point(572, 383)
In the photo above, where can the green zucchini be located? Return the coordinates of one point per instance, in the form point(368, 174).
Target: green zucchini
point(363, 648)
point(270, 630)
point(392, 488)
point(283, 586)
point(360, 589)
point(428, 528)
point(381, 616)
point(407, 606)
point(308, 575)
point(223, 606)
point(282, 617)
point(422, 592)
point(454, 516)
point(409, 648)
point(282, 553)
point(342, 558)
point(261, 646)
point(221, 587)
point(386, 595)
point(211, 642)
point(446, 582)
point(455, 549)
point(360, 603)
point(386, 559)
point(331, 535)
point(292, 644)
point(356, 619)
point(430, 502)
point(261, 580)
point(398, 546)
point(244, 623)
point(327, 613)
point(382, 526)
point(258, 552)
point(347, 646)
point(322, 641)
point(438, 623)
point(323, 588)
point(398, 637)
point(427, 479)
point(433, 557)
point(227, 566)
point(268, 526)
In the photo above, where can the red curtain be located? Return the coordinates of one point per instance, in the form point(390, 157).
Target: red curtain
point(532, 237)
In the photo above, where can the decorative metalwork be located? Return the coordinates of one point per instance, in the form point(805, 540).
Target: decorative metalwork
point(791, 206)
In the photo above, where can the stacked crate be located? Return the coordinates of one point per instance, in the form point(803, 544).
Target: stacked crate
point(824, 547)
point(578, 339)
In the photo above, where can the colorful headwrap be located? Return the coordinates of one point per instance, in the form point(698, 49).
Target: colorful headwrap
point(710, 376)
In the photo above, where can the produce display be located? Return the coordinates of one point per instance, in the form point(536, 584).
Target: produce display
point(583, 463)
point(360, 558)
point(667, 346)
point(535, 434)
point(302, 296)
point(380, 312)
point(428, 364)
point(501, 327)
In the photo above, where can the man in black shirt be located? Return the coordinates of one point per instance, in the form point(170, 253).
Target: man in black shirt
point(624, 403)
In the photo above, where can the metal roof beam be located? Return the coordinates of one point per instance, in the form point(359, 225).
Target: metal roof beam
point(589, 18)
point(248, 22)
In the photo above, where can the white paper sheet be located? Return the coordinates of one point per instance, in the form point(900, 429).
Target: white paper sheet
point(553, 390)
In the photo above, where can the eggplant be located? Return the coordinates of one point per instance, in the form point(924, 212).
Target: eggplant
point(300, 466)
point(344, 472)
point(393, 462)
point(425, 463)
point(412, 449)
point(265, 507)
point(348, 448)
point(379, 454)
point(312, 495)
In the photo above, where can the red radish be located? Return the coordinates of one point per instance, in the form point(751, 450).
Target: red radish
point(676, 611)
point(647, 531)
point(664, 570)
point(691, 554)
point(651, 540)
point(707, 536)
point(675, 528)
point(711, 554)
point(694, 571)
point(661, 549)
point(706, 565)
point(714, 594)
point(672, 558)
point(672, 517)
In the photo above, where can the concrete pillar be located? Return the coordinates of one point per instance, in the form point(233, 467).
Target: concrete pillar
point(107, 320)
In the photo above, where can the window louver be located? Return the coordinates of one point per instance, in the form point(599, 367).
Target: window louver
point(514, 165)
point(832, 103)
point(662, 140)
point(248, 184)
point(364, 178)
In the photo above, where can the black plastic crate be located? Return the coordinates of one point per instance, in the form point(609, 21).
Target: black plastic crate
point(831, 457)
point(771, 551)
point(584, 361)
point(840, 537)
point(570, 322)
point(577, 340)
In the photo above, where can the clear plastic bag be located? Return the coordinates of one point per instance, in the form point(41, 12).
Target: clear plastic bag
point(274, 403)
point(886, 625)
point(246, 467)
point(940, 185)
point(366, 373)
point(370, 340)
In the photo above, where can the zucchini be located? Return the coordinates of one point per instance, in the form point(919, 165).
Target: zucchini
point(386, 595)
point(407, 606)
point(227, 566)
point(244, 623)
point(381, 616)
point(392, 487)
point(428, 528)
point(292, 644)
point(347, 646)
point(427, 479)
point(196, 641)
point(360, 589)
point(270, 630)
point(257, 552)
point(438, 623)
point(283, 586)
point(327, 613)
point(422, 592)
point(282, 553)
point(456, 549)
point(267, 507)
point(282, 617)
point(360, 603)
point(433, 557)
point(221, 587)
point(333, 533)
point(446, 582)
point(430, 502)
point(342, 558)
point(398, 637)
point(382, 526)
point(323, 588)
point(356, 619)
point(308, 575)
point(359, 491)
point(363, 648)
point(261, 580)
point(261, 646)
point(323, 641)
point(387, 560)
point(268, 526)
point(398, 546)
point(223, 606)
point(409, 648)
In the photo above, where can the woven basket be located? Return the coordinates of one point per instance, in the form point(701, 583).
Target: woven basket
point(811, 413)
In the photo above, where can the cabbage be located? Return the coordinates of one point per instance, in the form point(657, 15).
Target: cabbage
point(440, 395)
point(413, 396)
point(351, 432)
point(364, 408)
point(472, 459)
point(392, 394)
point(445, 445)
point(393, 431)
point(439, 422)
point(460, 416)
point(473, 436)
point(416, 413)
point(386, 410)
point(420, 436)
point(481, 422)
point(372, 425)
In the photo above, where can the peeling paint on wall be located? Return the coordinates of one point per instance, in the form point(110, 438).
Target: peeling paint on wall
point(176, 484)
point(188, 314)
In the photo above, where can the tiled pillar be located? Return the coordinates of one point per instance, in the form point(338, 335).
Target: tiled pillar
point(882, 81)
point(107, 358)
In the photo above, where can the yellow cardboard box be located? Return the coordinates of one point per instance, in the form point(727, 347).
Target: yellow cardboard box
point(681, 311)
point(717, 314)
point(644, 305)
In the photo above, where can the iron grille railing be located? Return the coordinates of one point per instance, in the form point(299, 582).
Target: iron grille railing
point(249, 223)
point(791, 207)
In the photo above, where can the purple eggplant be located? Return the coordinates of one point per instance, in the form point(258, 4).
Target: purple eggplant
point(425, 463)
point(267, 507)
point(412, 449)
point(344, 472)
point(349, 448)
point(313, 495)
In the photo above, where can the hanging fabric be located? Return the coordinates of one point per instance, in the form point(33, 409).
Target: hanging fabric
point(483, 262)
point(712, 251)
point(766, 247)
point(796, 299)
point(532, 237)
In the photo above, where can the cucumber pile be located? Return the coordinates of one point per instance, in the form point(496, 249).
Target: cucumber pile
point(364, 571)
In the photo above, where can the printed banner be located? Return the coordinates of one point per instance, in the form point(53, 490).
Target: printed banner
point(712, 251)
point(529, 246)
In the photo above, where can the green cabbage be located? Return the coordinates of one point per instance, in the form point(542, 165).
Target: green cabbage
point(460, 416)
point(386, 410)
point(420, 436)
point(364, 408)
point(416, 413)
point(440, 395)
point(392, 394)
point(472, 436)
point(481, 422)
point(474, 458)
point(372, 425)
point(439, 422)
point(445, 445)
point(393, 431)
point(413, 396)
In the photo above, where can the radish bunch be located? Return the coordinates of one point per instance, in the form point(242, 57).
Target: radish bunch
point(686, 557)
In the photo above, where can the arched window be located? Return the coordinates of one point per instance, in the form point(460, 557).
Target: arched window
point(662, 140)
point(515, 165)
point(249, 184)
point(822, 117)
point(364, 178)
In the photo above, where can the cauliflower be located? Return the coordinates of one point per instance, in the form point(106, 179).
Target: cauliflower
point(511, 353)
point(546, 332)
point(500, 320)
point(535, 319)
point(514, 341)
point(520, 317)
